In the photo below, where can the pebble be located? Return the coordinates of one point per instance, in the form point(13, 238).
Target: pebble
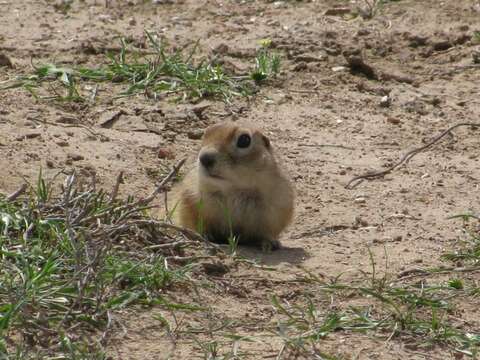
point(62, 143)
point(164, 153)
point(394, 121)
point(5, 61)
point(476, 55)
point(75, 157)
point(195, 134)
point(385, 101)
point(302, 65)
point(360, 200)
point(280, 4)
point(281, 99)
point(441, 45)
point(67, 120)
point(31, 135)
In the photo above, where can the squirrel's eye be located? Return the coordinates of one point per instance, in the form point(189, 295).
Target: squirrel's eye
point(243, 141)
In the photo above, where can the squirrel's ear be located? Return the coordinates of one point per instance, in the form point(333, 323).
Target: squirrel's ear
point(266, 141)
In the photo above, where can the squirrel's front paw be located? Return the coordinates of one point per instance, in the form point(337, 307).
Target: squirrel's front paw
point(269, 245)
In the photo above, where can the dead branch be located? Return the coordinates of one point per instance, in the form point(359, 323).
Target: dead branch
point(13, 196)
point(189, 234)
point(161, 187)
point(405, 158)
point(418, 272)
point(327, 145)
point(141, 204)
point(114, 193)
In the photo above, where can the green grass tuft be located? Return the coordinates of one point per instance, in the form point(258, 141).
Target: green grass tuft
point(160, 72)
point(267, 64)
point(68, 260)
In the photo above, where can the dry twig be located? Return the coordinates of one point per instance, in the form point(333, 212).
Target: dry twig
point(114, 193)
point(405, 158)
point(13, 196)
point(161, 187)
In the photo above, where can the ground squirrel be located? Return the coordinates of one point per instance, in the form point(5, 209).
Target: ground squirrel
point(236, 188)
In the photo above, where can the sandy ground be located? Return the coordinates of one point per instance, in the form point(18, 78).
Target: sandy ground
point(326, 123)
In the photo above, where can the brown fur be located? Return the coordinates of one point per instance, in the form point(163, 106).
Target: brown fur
point(245, 193)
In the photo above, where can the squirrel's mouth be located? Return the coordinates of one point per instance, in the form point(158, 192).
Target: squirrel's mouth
point(213, 176)
point(208, 174)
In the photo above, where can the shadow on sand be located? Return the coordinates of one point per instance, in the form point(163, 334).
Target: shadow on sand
point(290, 255)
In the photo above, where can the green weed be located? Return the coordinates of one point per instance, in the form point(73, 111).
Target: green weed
point(476, 37)
point(64, 265)
point(267, 64)
point(160, 72)
point(469, 250)
point(417, 312)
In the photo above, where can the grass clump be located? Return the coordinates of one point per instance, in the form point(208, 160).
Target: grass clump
point(160, 72)
point(468, 253)
point(372, 7)
point(421, 314)
point(267, 64)
point(413, 315)
point(476, 37)
point(69, 260)
point(418, 315)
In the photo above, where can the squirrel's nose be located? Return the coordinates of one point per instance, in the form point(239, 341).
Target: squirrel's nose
point(207, 160)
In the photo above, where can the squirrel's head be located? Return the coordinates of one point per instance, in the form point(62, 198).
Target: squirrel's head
point(233, 154)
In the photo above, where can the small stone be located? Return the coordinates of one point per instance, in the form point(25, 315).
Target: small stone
point(50, 164)
point(363, 32)
point(279, 4)
point(215, 268)
point(339, 68)
point(476, 56)
point(360, 200)
point(337, 11)
point(164, 153)
point(385, 101)
point(67, 120)
point(75, 157)
point(222, 49)
point(358, 221)
point(308, 58)
point(442, 45)
point(195, 134)
point(416, 41)
point(302, 65)
point(461, 39)
point(105, 18)
point(132, 22)
point(62, 143)
point(5, 61)
point(26, 136)
point(281, 99)
point(394, 121)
